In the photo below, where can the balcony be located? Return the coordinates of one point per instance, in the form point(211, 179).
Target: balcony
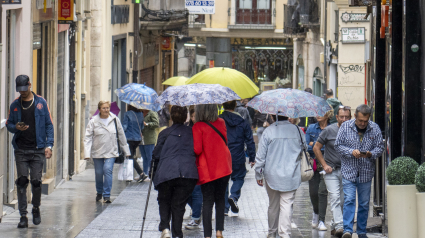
point(253, 14)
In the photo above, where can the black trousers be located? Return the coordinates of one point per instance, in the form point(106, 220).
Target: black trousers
point(318, 195)
point(214, 192)
point(172, 199)
point(133, 147)
point(29, 162)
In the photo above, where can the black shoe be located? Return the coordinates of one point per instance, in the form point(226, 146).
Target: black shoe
point(233, 205)
point(142, 178)
point(23, 222)
point(98, 197)
point(36, 216)
point(107, 200)
point(338, 233)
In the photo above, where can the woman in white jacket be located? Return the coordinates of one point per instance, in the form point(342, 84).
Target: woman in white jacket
point(100, 143)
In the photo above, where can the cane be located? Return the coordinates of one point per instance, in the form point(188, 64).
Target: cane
point(147, 199)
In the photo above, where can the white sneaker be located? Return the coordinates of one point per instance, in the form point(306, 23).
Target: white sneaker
point(192, 225)
point(322, 226)
point(293, 225)
point(315, 220)
point(166, 233)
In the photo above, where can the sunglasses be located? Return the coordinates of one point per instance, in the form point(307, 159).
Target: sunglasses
point(345, 107)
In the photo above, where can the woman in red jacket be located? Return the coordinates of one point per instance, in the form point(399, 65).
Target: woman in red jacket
point(214, 164)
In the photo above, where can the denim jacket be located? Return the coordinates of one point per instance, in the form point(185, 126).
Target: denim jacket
point(133, 125)
point(312, 134)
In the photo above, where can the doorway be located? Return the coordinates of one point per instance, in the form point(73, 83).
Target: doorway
point(317, 82)
point(119, 73)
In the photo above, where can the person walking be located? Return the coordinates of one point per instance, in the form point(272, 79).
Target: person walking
point(174, 172)
point(195, 200)
point(261, 122)
point(101, 144)
point(243, 112)
point(133, 126)
point(278, 162)
point(317, 186)
point(214, 163)
point(359, 142)
point(333, 102)
point(331, 164)
point(238, 133)
point(31, 123)
point(305, 122)
point(149, 138)
point(164, 117)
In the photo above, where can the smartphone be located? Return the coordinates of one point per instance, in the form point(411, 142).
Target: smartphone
point(21, 124)
point(363, 152)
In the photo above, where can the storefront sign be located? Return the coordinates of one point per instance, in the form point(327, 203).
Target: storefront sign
point(166, 43)
point(200, 6)
point(11, 1)
point(353, 35)
point(65, 11)
point(260, 42)
point(354, 17)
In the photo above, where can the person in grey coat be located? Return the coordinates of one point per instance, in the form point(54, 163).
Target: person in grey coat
point(278, 161)
point(243, 111)
point(175, 172)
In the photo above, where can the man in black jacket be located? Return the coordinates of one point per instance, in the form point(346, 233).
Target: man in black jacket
point(238, 134)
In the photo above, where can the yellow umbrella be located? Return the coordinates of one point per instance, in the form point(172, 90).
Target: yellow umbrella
point(176, 81)
point(233, 79)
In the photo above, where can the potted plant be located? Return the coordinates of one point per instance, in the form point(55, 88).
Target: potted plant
point(401, 197)
point(420, 198)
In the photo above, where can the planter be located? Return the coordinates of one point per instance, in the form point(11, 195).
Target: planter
point(402, 212)
point(420, 201)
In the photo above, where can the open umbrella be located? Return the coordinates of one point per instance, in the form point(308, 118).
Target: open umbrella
point(176, 81)
point(114, 109)
point(231, 78)
point(195, 94)
point(139, 96)
point(290, 102)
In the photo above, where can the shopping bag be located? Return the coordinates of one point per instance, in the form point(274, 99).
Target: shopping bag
point(125, 172)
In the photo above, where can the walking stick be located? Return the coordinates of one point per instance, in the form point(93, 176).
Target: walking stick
point(147, 200)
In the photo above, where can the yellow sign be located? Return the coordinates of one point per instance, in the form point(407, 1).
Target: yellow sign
point(65, 11)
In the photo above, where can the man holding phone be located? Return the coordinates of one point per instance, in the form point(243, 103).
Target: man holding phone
point(332, 166)
point(359, 142)
point(31, 123)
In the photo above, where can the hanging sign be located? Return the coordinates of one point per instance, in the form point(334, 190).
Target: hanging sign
point(354, 17)
point(353, 35)
point(200, 6)
point(65, 11)
point(166, 43)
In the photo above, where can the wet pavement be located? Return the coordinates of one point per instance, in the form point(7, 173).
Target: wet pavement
point(66, 211)
point(123, 218)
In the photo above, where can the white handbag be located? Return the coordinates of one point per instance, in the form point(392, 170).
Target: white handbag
point(307, 171)
point(125, 172)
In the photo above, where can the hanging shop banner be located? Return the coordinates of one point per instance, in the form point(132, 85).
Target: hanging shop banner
point(166, 43)
point(65, 11)
point(353, 35)
point(200, 6)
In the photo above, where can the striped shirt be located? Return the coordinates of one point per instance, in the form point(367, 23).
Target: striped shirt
point(348, 140)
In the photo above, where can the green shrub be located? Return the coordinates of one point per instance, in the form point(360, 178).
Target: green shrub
point(420, 179)
point(401, 171)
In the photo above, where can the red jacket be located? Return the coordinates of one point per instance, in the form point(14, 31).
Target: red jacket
point(213, 157)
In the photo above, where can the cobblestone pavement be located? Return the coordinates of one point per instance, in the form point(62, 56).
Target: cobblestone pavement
point(123, 218)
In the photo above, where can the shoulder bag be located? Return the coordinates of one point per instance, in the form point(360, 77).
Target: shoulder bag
point(121, 156)
point(307, 171)
point(138, 124)
point(216, 130)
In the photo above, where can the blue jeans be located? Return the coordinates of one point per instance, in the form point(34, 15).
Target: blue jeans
point(238, 177)
point(363, 190)
point(195, 202)
point(103, 169)
point(146, 151)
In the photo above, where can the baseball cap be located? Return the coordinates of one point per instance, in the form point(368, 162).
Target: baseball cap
point(22, 83)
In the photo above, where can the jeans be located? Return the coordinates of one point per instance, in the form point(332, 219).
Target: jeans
point(363, 190)
point(213, 192)
point(172, 199)
point(133, 147)
point(318, 195)
point(336, 196)
point(238, 177)
point(146, 151)
point(280, 211)
point(32, 161)
point(195, 202)
point(103, 169)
